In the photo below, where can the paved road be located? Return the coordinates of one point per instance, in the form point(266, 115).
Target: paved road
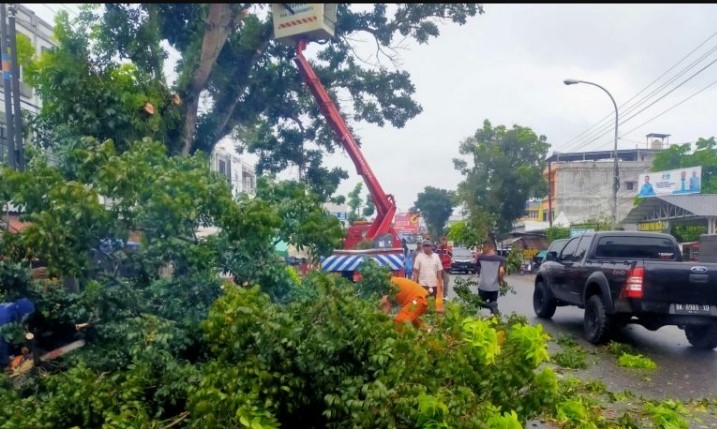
point(682, 371)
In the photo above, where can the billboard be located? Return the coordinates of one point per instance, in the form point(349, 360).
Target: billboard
point(406, 223)
point(682, 181)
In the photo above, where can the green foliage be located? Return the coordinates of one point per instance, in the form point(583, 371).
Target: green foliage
point(686, 233)
point(436, 206)
point(359, 210)
point(556, 233)
point(636, 361)
point(682, 156)
point(464, 287)
point(375, 280)
point(109, 64)
point(572, 357)
point(619, 349)
point(369, 207)
point(354, 202)
point(513, 261)
point(573, 413)
point(504, 169)
point(668, 414)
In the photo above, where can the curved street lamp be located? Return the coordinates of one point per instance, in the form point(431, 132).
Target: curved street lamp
point(616, 183)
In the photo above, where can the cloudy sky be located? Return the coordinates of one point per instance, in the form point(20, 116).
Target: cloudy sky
point(508, 66)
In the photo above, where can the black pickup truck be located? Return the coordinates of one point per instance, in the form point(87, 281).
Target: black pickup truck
point(621, 277)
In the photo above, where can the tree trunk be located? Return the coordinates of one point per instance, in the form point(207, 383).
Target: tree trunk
point(219, 25)
point(225, 123)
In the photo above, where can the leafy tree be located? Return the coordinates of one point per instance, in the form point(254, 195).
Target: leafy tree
point(436, 206)
point(504, 169)
point(703, 154)
point(106, 79)
point(354, 199)
point(556, 233)
point(369, 208)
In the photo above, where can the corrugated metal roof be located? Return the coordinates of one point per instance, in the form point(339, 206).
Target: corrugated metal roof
point(698, 205)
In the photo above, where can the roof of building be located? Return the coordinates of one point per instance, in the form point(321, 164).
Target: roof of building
point(697, 205)
point(622, 154)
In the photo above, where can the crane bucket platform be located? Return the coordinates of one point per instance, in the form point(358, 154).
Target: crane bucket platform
point(308, 21)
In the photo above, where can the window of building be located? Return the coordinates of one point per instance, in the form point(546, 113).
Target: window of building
point(630, 185)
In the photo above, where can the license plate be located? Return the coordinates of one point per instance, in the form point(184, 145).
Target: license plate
point(692, 308)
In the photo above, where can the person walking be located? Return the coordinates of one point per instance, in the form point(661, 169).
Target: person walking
point(412, 299)
point(445, 253)
point(492, 274)
point(427, 270)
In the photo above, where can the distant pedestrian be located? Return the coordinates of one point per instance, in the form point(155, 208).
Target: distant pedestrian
point(408, 263)
point(492, 274)
point(445, 253)
point(427, 268)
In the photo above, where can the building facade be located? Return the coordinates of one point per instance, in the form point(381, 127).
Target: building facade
point(581, 184)
point(41, 36)
point(341, 211)
point(240, 174)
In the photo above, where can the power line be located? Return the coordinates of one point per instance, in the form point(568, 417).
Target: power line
point(673, 107)
point(653, 103)
point(607, 117)
point(606, 129)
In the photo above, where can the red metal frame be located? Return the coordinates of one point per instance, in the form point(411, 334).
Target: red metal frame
point(385, 203)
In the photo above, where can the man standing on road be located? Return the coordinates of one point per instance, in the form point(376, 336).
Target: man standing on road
point(427, 269)
point(445, 253)
point(492, 274)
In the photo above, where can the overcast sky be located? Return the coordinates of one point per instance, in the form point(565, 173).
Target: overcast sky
point(508, 66)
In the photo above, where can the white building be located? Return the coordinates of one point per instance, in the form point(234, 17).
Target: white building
point(226, 161)
point(341, 211)
point(41, 37)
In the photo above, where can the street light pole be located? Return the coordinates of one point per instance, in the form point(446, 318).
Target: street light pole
point(616, 178)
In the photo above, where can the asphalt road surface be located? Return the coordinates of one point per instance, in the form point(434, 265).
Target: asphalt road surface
point(682, 372)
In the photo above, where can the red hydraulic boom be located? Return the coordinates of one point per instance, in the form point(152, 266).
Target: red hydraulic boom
point(385, 204)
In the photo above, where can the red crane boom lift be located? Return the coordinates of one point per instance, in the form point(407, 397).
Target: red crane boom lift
point(380, 231)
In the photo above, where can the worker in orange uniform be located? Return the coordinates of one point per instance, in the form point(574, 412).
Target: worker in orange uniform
point(411, 297)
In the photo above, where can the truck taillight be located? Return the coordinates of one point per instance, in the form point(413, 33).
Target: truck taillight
point(633, 285)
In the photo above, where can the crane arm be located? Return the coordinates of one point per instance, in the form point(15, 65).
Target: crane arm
point(385, 204)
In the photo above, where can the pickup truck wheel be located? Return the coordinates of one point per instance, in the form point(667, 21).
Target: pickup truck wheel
point(702, 336)
point(543, 303)
point(597, 321)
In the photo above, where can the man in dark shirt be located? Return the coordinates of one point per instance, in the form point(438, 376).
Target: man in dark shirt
point(492, 274)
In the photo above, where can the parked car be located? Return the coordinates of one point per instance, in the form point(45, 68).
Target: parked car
point(621, 277)
point(463, 261)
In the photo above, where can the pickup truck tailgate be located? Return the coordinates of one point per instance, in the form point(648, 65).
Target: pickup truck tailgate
point(680, 282)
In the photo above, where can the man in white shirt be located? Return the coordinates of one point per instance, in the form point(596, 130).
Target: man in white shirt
point(427, 269)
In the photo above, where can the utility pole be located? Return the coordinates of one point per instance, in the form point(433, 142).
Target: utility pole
point(19, 143)
point(7, 90)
